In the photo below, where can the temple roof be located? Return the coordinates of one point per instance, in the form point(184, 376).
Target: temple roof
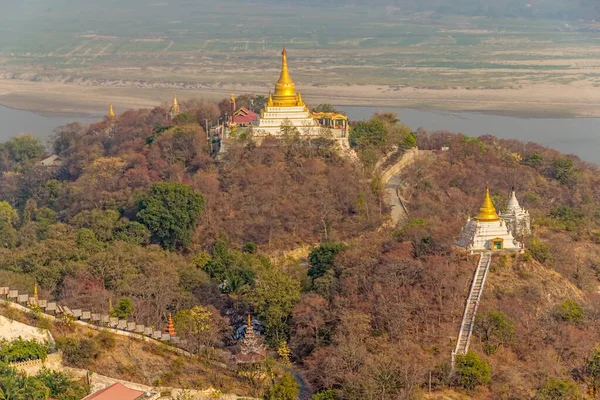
point(487, 212)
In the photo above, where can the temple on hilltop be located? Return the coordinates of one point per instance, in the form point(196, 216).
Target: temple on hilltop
point(285, 107)
point(516, 217)
point(487, 231)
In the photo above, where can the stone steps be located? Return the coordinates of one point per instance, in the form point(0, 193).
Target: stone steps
point(472, 303)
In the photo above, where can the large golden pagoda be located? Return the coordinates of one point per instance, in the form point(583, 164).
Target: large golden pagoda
point(285, 88)
point(487, 212)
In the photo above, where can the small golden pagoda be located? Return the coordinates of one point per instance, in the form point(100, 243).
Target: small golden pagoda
point(170, 326)
point(175, 109)
point(111, 113)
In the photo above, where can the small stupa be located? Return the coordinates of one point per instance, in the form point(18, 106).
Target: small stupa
point(170, 326)
point(487, 231)
point(516, 217)
point(111, 113)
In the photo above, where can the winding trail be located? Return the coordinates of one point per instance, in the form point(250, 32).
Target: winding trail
point(392, 181)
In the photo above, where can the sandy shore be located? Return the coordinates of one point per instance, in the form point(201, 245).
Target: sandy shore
point(536, 100)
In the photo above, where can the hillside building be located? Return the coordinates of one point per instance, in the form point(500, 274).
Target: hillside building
point(285, 107)
point(487, 231)
point(516, 217)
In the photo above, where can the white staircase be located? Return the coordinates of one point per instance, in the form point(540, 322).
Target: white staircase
point(468, 320)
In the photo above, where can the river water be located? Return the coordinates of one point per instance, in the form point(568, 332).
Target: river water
point(580, 136)
point(13, 122)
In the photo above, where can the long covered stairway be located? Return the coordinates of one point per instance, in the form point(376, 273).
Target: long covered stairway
point(472, 303)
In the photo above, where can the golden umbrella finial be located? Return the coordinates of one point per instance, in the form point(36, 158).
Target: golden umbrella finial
point(487, 212)
point(35, 290)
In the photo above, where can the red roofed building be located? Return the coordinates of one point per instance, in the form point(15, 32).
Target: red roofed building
point(117, 391)
point(244, 117)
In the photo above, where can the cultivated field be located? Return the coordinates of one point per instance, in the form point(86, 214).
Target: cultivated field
point(343, 55)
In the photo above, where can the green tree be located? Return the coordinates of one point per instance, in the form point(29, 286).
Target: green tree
point(171, 212)
point(274, 296)
point(368, 133)
point(534, 160)
point(324, 395)
point(321, 258)
point(592, 371)
point(24, 147)
point(8, 219)
point(569, 311)
point(494, 328)
point(472, 371)
point(284, 389)
point(564, 171)
point(132, 232)
point(556, 389)
point(123, 309)
point(194, 325)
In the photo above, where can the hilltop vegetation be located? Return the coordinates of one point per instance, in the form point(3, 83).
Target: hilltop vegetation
point(141, 212)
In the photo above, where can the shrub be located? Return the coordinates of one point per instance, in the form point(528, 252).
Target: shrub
point(539, 251)
point(472, 371)
point(77, 352)
point(321, 258)
point(324, 395)
point(22, 350)
point(106, 340)
point(556, 389)
point(284, 389)
point(123, 309)
point(569, 311)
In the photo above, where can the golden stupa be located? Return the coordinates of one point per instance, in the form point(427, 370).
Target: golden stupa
point(285, 89)
point(111, 112)
point(487, 212)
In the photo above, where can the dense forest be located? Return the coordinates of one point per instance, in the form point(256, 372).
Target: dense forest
point(141, 212)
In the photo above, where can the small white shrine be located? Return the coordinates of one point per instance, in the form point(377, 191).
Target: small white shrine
point(516, 217)
point(487, 231)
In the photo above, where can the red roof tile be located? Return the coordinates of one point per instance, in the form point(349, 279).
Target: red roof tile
point(118, 391)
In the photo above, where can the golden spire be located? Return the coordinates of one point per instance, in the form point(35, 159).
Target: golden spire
point(249, 321)
point(175, 104)
point(285, 89)
point(110, 307)
point(175, 107)
point(35, 290)
point(300, 102)
point(487, 212)
point(232, 98)
point(111, 113)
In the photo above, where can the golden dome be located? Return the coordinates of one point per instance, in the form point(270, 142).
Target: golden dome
point(285, 89)
point(487, 212)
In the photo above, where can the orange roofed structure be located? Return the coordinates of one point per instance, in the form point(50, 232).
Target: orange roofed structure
point(117, 391)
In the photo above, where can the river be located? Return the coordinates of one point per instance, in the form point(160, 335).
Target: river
point(580, 136)
point(13, 122)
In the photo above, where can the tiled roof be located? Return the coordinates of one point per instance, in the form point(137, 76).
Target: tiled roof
point(118, 391)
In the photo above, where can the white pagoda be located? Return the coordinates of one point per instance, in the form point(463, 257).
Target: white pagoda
point(285, 107)
point(516, 217)
point(487, 231)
